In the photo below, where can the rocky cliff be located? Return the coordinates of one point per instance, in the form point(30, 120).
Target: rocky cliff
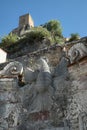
point(45, 89)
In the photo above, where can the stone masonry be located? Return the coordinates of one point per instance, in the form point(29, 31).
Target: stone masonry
point(42, 91)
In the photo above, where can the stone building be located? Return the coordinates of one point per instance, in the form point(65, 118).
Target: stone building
point(3, 56)
point(25, 23)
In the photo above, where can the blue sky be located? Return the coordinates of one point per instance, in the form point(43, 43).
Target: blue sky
point(71, 13)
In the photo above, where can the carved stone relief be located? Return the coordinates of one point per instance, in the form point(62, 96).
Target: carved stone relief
point(76, 52)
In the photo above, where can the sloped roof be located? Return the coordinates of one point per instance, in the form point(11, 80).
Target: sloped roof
point(1, 50)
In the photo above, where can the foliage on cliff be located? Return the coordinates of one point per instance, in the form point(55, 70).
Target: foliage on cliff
point(51, 31)
point(8, 40)
point(55, 28)
point(37, 34)
point(74, 37)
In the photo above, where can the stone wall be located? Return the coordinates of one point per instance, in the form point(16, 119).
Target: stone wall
point(77, 108)
point(45, 90)
point(9, 103)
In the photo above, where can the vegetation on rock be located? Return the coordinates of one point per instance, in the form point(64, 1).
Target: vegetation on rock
point(74, 36)
point(37, 34)
point(55, 28)
point(9, 39)
point(50, 31)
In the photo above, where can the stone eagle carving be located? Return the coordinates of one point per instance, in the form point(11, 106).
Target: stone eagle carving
point(44, 76)
point(42, 89)
point(30, 75)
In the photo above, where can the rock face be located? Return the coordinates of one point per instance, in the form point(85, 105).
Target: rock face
point(36, 94)
point(9, 103)
point(77, 108)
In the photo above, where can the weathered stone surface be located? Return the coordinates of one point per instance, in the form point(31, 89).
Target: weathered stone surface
point(9, 103)
point(78, 101)
point(53, 96)
point(13, 68)
point(77, 52)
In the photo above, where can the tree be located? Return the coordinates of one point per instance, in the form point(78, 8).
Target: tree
point(54, 27)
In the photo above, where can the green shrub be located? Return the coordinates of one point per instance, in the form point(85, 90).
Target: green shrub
point(74, 36)
point(9, 39)
point(58, 40)
point(37, 34)
point(54, 27)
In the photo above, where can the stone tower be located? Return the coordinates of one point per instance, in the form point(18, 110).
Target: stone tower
point(26, 20)
point(25, 23)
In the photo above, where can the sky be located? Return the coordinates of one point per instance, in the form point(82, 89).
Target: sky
point(72, 14)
